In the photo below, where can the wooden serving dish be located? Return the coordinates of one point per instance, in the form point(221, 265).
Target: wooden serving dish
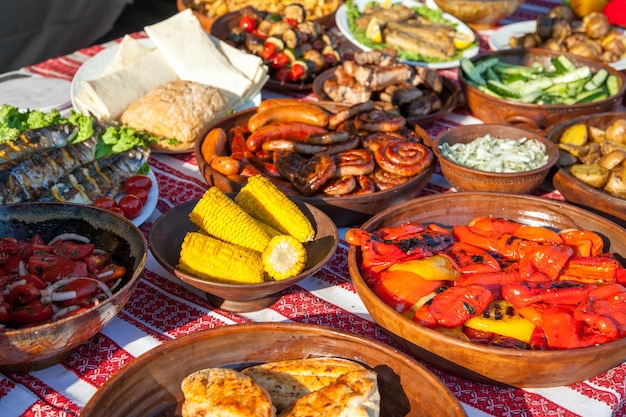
point(576, 191)
point(536, 117)
point(150, 385)
point(344, 211)
point(491, 364)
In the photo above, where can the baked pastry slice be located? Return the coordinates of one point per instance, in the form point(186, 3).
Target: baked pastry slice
point(224, 392)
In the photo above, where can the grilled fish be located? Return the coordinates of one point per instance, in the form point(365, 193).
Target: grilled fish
point(411, 42)
point(102, 177)
point(220, 392)
point(395, 13)
point(287, 381)
point(35, 140)
point(442, 43)
point(31, 176)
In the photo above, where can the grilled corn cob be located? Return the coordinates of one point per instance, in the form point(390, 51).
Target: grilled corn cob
point(221, 217)
point(264, 201)
point(284, 257)
point(212, 259)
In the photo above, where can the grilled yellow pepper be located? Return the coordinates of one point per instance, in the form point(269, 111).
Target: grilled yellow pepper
point(500, 317)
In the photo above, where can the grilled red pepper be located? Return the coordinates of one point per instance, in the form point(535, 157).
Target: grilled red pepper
point(543, 262)
point(593, 269)
point(604, 311)
point(552, 292)
point(451, 308)
point(471, 259)
point(402, 289)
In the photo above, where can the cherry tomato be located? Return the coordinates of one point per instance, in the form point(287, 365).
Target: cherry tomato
point(247, 23)
point(280, 60)
point(117, 210)
point(269, 51)
point(105, 202)
point(138, 181)
point(297, 73)
point(131, 205)
point(282, 75)
point(139, 192)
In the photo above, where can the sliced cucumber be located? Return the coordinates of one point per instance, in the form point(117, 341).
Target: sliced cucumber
point(502, 89)
point(612, 85)
point(598, 79)
point(470, 71)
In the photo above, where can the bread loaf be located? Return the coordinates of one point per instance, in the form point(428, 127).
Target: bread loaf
point(179, 110)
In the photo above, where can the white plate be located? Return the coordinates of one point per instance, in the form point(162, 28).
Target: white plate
point(499, 39)
point(341, 17)
point(93, 67)
point(148, 208)
point(36, 93)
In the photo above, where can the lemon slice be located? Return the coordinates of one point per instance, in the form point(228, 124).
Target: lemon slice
point(385, 4)
point(463, 39)
point(373, 31)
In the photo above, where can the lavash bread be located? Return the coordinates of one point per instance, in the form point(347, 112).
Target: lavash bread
point(179, 110)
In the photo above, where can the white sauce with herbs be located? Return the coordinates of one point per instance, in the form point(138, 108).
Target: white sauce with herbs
point(488, 154)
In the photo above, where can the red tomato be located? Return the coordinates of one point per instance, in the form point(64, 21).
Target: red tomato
point(105, 202)
point(280, 60)
point(117, 210)
point(139, 192)
point(34, 312)
point(282, 75)
point(297, 73)
point(247, 23)
point(131, 205)
point(138, 181)
point(269, 51)
point(64, 269)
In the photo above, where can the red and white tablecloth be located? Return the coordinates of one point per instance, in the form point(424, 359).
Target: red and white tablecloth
point(163, 308)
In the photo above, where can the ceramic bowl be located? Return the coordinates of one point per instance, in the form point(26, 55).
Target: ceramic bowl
point(535, 117)
point(344, 211)
point(468, 179)
point(167, 234)
point(450, 97)
point(479, 14)
point(491, 364)
point(574, 190)
point(150, 385)
point(37, 347)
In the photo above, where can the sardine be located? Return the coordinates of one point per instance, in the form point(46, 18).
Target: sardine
point(411, 42)
point(29, 178)
point(423, 34)
point(35, 140)
point(99, 178)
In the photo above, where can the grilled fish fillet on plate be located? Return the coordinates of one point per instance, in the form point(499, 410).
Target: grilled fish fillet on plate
point(287, 381)
point(354, 394)
point(224, 392)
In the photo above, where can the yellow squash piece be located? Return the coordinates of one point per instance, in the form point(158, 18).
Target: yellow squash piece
point(264, 201)
point(284, 257)
point(214, 260)
point(221, 217)
point(500, 317)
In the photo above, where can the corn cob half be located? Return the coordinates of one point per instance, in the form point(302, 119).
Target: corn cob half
point(264, 201)
point(212, 259)
point(284, 257)
point(218, 215)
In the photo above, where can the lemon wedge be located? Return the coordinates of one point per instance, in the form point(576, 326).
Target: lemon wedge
point(373, 31)
point(463, 39)
point(385, 4)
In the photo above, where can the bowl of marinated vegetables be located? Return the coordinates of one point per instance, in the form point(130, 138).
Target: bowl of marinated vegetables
point(295, 47)
point(504, 289)
point(592, 166)
point(495, 158)
point(66, 270)
point(538, 88)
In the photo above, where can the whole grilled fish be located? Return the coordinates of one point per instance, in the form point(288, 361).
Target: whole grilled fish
point(31, 176)
point(35, 140)
point(102, 177)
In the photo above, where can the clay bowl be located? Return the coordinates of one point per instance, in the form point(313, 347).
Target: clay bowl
point(491, 364)
point(344, 211)
point(450, 97)
point(150, 385)
point(535, 117)
point(576, 191)
point(167, 234)
point(41, 346)
point(468, 179)
point(479, 14)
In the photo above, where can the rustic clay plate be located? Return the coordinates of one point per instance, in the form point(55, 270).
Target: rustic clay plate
point(574, 190)
point(150, 385)
point(167, 234)
point(37, 347)
point(491, 364)
point(450, 97)
point(537, 117)
point(344, 211)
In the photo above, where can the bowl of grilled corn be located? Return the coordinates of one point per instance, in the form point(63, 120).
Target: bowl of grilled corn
point(243, 249)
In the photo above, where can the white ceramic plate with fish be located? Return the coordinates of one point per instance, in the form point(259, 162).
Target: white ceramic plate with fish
point(341, 18)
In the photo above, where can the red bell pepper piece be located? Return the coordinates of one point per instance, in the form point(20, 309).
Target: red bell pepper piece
point(584, 242)
point(604, 311)
point(544, 262)
point(493, 281)
point(451, 308)
point(402, 289)
point(551, 292)
point(494, 224)
point(471, 259)
point(592, 269)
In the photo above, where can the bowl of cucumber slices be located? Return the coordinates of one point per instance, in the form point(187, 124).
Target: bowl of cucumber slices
point(536, 89)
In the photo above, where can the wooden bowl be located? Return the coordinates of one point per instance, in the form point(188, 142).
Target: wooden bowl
point(576, 191)
point(490, 364)
point(450, 97)
point(150, 385)
point(479, 14)
point(344, 211)
point(167, 234)
point(32, 348)
point(535, 117)
point(468, 179)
